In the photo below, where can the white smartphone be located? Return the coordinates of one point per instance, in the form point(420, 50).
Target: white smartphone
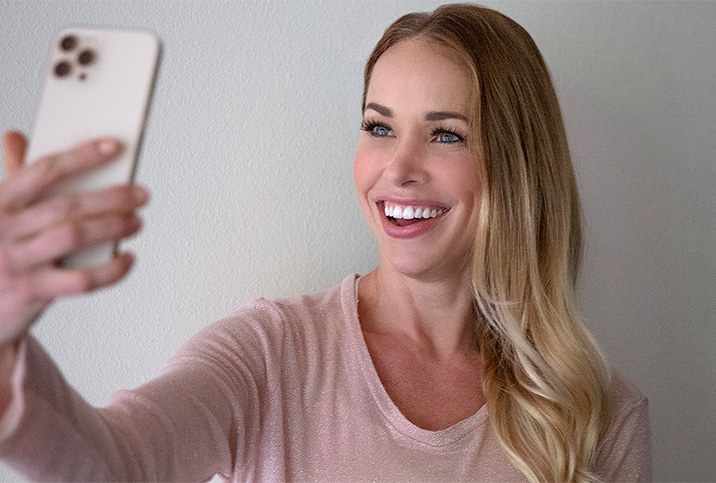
point(98, 83)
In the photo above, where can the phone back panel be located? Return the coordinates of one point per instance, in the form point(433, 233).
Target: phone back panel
point(99, 86)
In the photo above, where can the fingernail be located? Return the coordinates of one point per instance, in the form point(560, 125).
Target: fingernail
point(139, 194)
point(133, 225)
point(107, 146)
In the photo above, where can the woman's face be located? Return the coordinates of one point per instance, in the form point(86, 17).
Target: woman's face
point(413, 162)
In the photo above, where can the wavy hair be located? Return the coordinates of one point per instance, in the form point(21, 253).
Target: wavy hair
point(545, 379)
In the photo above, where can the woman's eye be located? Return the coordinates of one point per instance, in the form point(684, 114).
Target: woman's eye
point(376, 130)
point(380, 131)
point(447, 137)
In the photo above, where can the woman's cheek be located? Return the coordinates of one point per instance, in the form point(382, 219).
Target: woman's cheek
point(365, 168)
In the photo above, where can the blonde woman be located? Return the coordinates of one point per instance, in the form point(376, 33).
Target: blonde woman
point(460, 357)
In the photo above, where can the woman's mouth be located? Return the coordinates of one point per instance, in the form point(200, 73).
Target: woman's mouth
point(403, 215)
point(409, 220)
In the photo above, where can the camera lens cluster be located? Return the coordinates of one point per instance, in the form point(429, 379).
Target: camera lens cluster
point(84, 57)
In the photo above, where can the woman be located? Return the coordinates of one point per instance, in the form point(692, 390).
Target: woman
point(460, 357)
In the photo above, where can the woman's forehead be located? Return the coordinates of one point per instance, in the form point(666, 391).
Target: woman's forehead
point(416, 73)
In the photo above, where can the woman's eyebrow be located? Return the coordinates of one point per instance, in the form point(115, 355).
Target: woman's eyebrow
point(429, 116)
point(441, 115)
point(382, 110)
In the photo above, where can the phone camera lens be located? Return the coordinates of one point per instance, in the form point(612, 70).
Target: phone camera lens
point(62, 68)
point(68, 43)
point(86, 57)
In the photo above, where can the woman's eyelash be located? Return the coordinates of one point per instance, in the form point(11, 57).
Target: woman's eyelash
point(368, 126)
point(371, 126)
point(440, 131)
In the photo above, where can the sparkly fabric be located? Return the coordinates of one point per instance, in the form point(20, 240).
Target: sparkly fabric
point(281, 390)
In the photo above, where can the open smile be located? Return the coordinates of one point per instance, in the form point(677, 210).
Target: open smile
point(409, 220)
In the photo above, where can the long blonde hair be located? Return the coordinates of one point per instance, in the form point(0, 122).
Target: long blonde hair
point(545, 379)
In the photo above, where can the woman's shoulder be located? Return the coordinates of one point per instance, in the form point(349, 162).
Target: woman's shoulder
point(262, 336)
point(629, 407)
point(326, 304)
point(625, 452)
point(261, 323)
point(624, 394)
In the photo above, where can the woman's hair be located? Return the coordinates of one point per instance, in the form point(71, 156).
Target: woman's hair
point(545, 379)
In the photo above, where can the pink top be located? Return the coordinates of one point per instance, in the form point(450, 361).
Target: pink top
point(281, 390)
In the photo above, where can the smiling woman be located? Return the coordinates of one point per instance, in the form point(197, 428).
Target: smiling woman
point(461, 356)
point(461, 119)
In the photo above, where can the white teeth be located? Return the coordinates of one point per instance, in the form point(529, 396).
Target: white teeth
point(410, 212)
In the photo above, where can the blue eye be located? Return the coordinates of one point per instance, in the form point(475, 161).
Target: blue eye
point(447, 137)
point(376, 130)
point(380, 131)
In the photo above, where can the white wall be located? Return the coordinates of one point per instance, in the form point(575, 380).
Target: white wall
point(248, 156)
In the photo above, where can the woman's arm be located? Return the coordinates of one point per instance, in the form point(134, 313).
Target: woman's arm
point(202, 416)
point(178, 427)
point(207, 413)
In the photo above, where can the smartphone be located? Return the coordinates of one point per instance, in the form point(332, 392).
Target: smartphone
point(98, 82)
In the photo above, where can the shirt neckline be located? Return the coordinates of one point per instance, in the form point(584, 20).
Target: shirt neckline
point(386, 406)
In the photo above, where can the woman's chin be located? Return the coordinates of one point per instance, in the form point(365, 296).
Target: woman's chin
point(426, 267)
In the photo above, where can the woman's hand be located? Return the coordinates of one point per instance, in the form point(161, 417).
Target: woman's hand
point(36, 231)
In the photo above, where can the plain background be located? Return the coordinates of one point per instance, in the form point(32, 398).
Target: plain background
point(248, 157)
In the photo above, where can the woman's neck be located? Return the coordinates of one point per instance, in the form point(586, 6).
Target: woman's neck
point(436, 317)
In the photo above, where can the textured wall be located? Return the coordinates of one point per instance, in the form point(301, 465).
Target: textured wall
point(248, 156)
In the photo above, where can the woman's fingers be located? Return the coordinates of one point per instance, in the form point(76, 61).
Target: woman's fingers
point(65, 239)
point(22, 302)
point(64, 209)
point(37, 230)
point(51, 283)
point(33, 182)
point(14, 145)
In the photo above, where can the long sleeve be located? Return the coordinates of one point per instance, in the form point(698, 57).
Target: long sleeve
point(180, 426)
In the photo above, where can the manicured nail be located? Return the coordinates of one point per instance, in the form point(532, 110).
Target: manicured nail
point(107, 146)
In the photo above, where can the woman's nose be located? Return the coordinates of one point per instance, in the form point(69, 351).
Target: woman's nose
point(407, 165)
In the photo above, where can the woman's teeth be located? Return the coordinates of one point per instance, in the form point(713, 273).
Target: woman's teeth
point(411, 212)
